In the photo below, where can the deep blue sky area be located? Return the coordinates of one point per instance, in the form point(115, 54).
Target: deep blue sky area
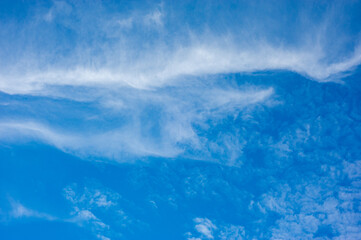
point(191, 120)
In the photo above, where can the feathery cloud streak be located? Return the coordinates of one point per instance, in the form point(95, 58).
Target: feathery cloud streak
point(83, 44)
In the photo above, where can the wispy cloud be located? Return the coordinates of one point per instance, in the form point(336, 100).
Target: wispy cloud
point(158, 78)
point(155, 17)
point(81, 215)
point(89, 200)
point(154, 123)
point(59, 8)
point(173, 67)
point(106, 56)
point(20, 211)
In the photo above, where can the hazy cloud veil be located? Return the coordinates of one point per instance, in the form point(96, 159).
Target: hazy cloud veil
point(233, 120)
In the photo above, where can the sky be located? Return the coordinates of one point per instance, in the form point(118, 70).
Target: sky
point(193, 120)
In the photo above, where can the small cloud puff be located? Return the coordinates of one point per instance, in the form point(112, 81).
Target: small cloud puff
point(208, 230)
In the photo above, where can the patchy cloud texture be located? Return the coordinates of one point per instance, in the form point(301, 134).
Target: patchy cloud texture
point(180, 120)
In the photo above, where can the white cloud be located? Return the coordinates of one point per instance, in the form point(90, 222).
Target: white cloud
point(102, 237)
point(90, 205)
point(353, 170)
point(126, 23)
point(154, 18)
point(146, 21)
point(91, 197)
point(58, 8)
point(232, 232)
point(205, 227)
point(85, 218)
point(81, 215)
point(312, 206)
point(20, 211)
point(208, 230)
point(139, 134)
point(103, 56)
point(172, 67)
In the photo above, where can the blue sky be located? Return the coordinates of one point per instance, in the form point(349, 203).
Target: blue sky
point(188, 120)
